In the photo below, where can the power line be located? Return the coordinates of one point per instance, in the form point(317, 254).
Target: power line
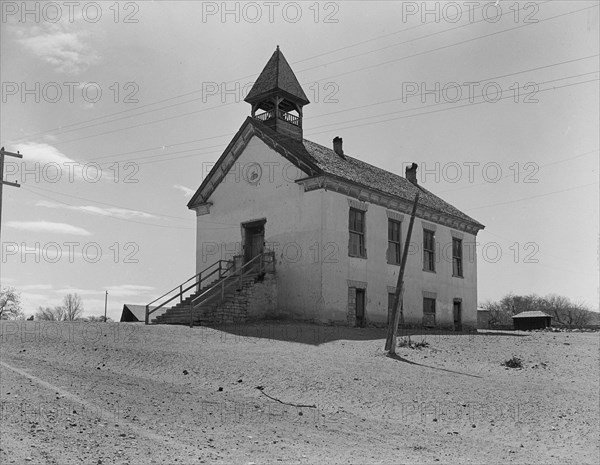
point(114, 217)
point(342, 111)
point(117, 206)
point(408, 41)
point(343, 122)
point(532, 197)
point(477, 81)
point(388, 119)
point(452, 108)
point(336, 75)
point(60, 128)
point(458, 43)
point(459, 100)
point(538, 263)
point(512, 175)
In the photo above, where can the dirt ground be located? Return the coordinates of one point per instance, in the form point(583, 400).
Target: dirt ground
point(125, 393)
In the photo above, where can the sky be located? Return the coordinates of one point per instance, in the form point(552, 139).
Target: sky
point(120, 109)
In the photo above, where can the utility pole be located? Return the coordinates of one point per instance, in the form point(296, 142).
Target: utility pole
point(390, 343)
point(2, 181)
point(105, 303)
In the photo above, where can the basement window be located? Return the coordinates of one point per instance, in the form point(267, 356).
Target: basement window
point(356, 227)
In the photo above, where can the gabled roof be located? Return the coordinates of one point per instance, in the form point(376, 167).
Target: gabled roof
point(132, 312)
point(360, 172)
point(532, 314)
point(317, 160)
point(277, 75)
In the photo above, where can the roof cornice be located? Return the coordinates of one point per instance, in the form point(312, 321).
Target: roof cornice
point(233, 151)
point(377, 197)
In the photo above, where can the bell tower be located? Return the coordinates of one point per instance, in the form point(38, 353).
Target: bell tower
point(277, 97)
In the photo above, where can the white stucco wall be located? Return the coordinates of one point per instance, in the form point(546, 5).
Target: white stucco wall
point(293, 224)
point(378, 275)
point(309, 233)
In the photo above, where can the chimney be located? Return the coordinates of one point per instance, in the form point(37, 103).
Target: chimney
point(411, 173)
point(337, 146)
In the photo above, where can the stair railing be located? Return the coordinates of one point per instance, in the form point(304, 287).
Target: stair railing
point(220, 268)
point(261, 263)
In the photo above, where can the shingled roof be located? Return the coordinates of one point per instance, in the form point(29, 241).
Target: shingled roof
point(359, 172)
point(317, 160)
point(368, 175)
point(134, 313)
point(532, 314)
point(277, 75)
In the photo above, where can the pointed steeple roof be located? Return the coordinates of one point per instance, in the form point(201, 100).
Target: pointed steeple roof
point(277, 76)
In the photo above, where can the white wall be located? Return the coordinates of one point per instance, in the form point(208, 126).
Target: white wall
point(293, 225)
point(309, 232)
point(378, 275)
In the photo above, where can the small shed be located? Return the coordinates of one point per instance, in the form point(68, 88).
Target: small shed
point(483, 318)
point(532, 320)
point(135, 313)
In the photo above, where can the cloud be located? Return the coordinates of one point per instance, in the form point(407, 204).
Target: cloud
point(48, 227)
point(58, 44)
point(53, 252)
point(75, 290)
point(49, 164)
point(36, 287)
point(42, 153)
point(186, 190)
point(124, 290)
point(115, 212)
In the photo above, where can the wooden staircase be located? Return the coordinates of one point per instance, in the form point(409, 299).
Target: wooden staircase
point(209, 296)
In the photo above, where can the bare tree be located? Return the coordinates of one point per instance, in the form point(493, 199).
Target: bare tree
point(10, 304)
point(98, 319)
point(563, 311)
point(50, 314)
point(566, 313)
point(73, 306)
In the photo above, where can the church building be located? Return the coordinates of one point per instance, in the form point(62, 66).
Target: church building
point(334, 225)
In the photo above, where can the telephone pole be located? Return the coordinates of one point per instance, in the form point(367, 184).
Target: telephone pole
point(3, 153)
point(390, 343)
point(105, 303)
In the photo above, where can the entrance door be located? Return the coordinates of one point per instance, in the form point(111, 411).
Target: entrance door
point(457, 316)
point(254, 239)
point(360, 308)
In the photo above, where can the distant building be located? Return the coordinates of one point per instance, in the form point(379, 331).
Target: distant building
point(531, 320)
point(134, 313)
point(483, 318)
point(336, 224)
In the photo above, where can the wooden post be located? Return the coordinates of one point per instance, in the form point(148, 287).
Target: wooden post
point(390, 343)
point(105, 304)
point(147, 320)
point(191, 314)
point(181, 294)
point(4, 153)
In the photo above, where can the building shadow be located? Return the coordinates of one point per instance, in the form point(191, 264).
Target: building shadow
point(302, 332)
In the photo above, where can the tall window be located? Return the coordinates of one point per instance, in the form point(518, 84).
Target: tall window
point(457, 264)
point(428, 250)
point(394, 253)
point(356, 247)
point(428, 311)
